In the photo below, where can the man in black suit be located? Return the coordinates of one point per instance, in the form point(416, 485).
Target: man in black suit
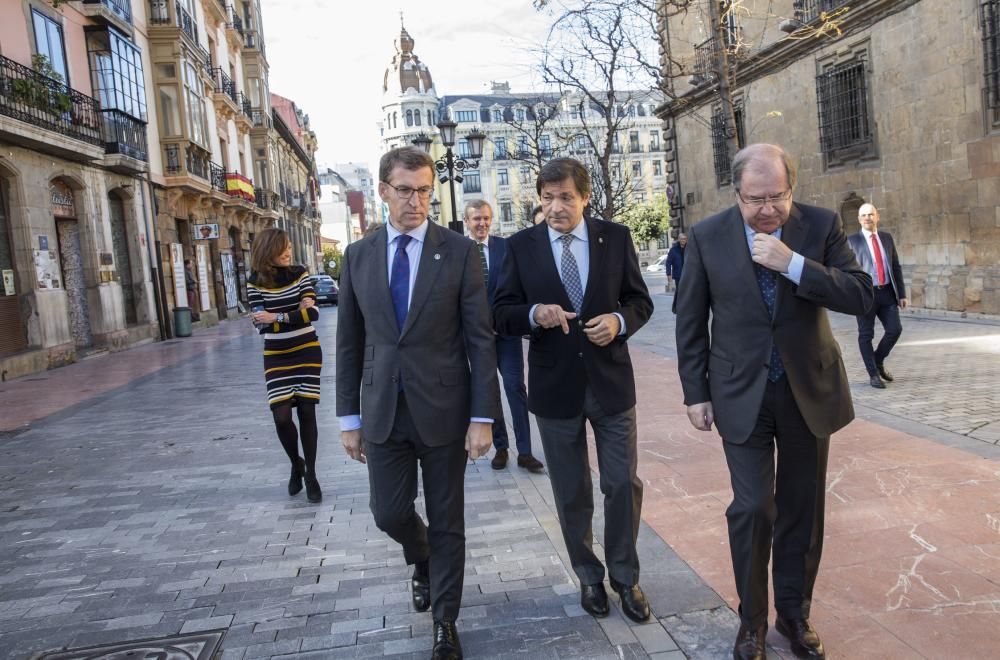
point(417, 380)
point(876, 252)
point(575, 286)
point(757, 357)
point(510, 352)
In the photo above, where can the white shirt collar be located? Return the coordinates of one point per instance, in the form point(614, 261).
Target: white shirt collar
point(580, 231)
point(418, 234)
point(868, 234)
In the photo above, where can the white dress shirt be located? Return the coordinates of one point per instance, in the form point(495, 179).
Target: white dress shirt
point(885, 257)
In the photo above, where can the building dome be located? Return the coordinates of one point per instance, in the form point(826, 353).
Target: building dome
point(406, 71)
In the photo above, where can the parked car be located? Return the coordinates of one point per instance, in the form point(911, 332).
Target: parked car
point(326, 289)
point(658, 266)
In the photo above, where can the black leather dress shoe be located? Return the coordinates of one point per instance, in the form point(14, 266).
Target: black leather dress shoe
point(803, 637)
point(530, 463)
point(499, 461)
point(750, 643)
point(876, 382)
point(446, 644)
point(421, 585)
point(634, 603)
point(594, 599)
point(884, 373)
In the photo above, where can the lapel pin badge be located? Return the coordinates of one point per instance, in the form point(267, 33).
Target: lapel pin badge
point(600, 239)
point(437, 256)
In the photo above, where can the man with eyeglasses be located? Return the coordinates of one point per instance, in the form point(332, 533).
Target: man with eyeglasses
point(757, 357)
point(417, 381)
point(876, 252)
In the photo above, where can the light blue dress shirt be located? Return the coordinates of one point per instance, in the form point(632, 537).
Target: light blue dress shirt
point(794, 267)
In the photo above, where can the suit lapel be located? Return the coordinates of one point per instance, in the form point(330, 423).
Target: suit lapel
point(793, 234)
point(432, 258)
point(741, 260)
point(545, 261)
point(379, 277)
point(494, 264)
point(595, 243)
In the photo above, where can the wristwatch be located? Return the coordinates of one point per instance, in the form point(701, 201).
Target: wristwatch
point(281, 317)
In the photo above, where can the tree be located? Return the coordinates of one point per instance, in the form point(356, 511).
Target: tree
point(648, 221)
point(332, 253)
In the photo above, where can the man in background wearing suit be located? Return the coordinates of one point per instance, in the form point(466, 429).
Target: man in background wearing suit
point(510, 352)
point(417, 380)
point(575, 286)
point(876, 252)
point(757, 357)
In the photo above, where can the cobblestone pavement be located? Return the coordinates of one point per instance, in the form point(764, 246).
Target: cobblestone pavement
point(158, 508)
point(947, 369)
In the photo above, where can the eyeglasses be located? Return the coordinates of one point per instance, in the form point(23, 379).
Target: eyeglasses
point(761, 202)
point(405, 192)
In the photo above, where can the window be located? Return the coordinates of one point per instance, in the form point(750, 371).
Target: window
point(633, 141)
point(430, 120)
point(661, 242)
point(471, 182)
point(657, 168)
point(722, 159)
point(654, 140)
point(49, 42)
point(195, 105)
point(498, 115)
point(545, 145)
point(640, 198)
point(989, 19)
point(466, 116)
point(464, 150)
point(636, 168)
point(500, 149)
point(616, 171)
point(523, 151)
point(506, 215)
point(525, 174)
point(581, 143)
point(845, 125)
point(502, 178)
point(416, 117)
point(409, 117)
point(574, 112)
point(519, 114)
point(116, 70)
point(730, 26)
point(169, 120)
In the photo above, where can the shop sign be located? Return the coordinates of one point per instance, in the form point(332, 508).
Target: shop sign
point(61, 197)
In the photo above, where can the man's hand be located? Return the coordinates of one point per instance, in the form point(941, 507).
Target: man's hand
point(478, 439)
point(770, 252)
point(351, 440)
point(549, 316)
point(903, 302)
point(602, 329)
point(701, 415)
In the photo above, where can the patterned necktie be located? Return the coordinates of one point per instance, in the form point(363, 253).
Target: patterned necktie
point(399, 280)
point(879, 263)
point(767, 280)
point(486, 265)
point(571, 274)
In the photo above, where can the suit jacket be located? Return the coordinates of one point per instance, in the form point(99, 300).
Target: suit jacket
point(445, 355)
point(864, 256)
point(562, 366)
point(729, 365)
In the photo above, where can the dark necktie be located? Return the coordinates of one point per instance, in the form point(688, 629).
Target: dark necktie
point(879, 263)
point(399, 280)
point(767, 280)
point(571, 274)
point(486, 265)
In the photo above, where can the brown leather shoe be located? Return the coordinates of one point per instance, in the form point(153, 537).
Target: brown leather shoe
point(803, 637)
point(530, 463)
point(750, 643)
point(499, 461)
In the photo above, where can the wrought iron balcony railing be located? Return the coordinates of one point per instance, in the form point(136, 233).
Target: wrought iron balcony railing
point(181, 160)
point(261, 117)
point(809, 10)
point(234, 22)
point(159, 14)
point(121, 8)
point(124, 135)
point(245, 105)
point(30, 97)
point(218, 176)
point(225, 85)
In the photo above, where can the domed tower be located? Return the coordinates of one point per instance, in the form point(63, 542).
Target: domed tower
point(409, 102)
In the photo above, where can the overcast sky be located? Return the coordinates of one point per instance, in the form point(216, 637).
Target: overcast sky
point(329, 57)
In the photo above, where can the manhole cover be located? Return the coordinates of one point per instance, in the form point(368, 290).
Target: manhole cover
point(199, 646)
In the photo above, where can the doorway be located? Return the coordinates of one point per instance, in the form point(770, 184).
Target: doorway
point(119, 242)
point(71, 264)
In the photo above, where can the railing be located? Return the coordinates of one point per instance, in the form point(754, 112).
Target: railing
point(809, 10)
point(225, 85)
point(218, 177)
point(245, 105)
point(41, 101)
point(124, 135)
point(260, 197)
point(181, 160)
point(251, 39)
point(159, 14)
point(120, 8)
point(234, 21)
point(206, 61)
point(704, 58)
point(635, 148)
point(260, 117)
point(656, 146)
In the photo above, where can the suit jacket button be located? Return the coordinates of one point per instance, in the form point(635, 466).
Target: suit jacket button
point(579, 354)
point(395, 379)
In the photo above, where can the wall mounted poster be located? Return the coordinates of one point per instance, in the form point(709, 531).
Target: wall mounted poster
point(206, 304)
point(177, 263)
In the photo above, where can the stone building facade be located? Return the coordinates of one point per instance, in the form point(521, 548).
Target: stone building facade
point(893, 102)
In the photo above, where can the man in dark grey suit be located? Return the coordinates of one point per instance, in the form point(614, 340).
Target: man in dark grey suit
point(417, 380)
point(757, 357)
point(575, 286)
point(876, 252)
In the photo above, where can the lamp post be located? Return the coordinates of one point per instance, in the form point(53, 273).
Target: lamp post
point(450, 167)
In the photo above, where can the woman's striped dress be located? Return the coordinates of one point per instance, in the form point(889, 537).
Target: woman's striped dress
point(292, 354)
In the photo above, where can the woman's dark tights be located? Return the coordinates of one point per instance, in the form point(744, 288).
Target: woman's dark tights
point(289, 436)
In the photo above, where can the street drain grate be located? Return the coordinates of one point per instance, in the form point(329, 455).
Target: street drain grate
point(197, 646)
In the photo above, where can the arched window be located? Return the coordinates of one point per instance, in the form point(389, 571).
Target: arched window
point(430, 121)
point(394, 117)
point(416, 117)
point(409, 117)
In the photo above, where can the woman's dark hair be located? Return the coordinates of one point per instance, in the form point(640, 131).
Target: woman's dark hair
point(267, 247)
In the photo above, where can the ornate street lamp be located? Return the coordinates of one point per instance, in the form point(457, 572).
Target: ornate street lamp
point(436, 209)
point(450, 167)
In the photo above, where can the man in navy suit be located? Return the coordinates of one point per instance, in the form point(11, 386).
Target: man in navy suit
point(510, 353)
point(876, 252)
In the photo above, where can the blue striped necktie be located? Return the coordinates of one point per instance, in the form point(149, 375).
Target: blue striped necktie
point(399, 280)
point(767, 280)
point(571, 274)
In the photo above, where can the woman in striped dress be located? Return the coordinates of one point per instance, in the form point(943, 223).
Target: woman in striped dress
point(283, 303)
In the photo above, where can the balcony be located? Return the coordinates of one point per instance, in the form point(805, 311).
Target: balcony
point(162, 14)
point(111, 12)
point(260, 117)
point(233, 20)
point(704, 62)
point(239, 188)
point(656, 146)
point(635, 148)
point(809, 10)
point(245, 106)
point(190, 161)
point(253, 41)
point(54, 107)
point(125, 137)
point(217, 177)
